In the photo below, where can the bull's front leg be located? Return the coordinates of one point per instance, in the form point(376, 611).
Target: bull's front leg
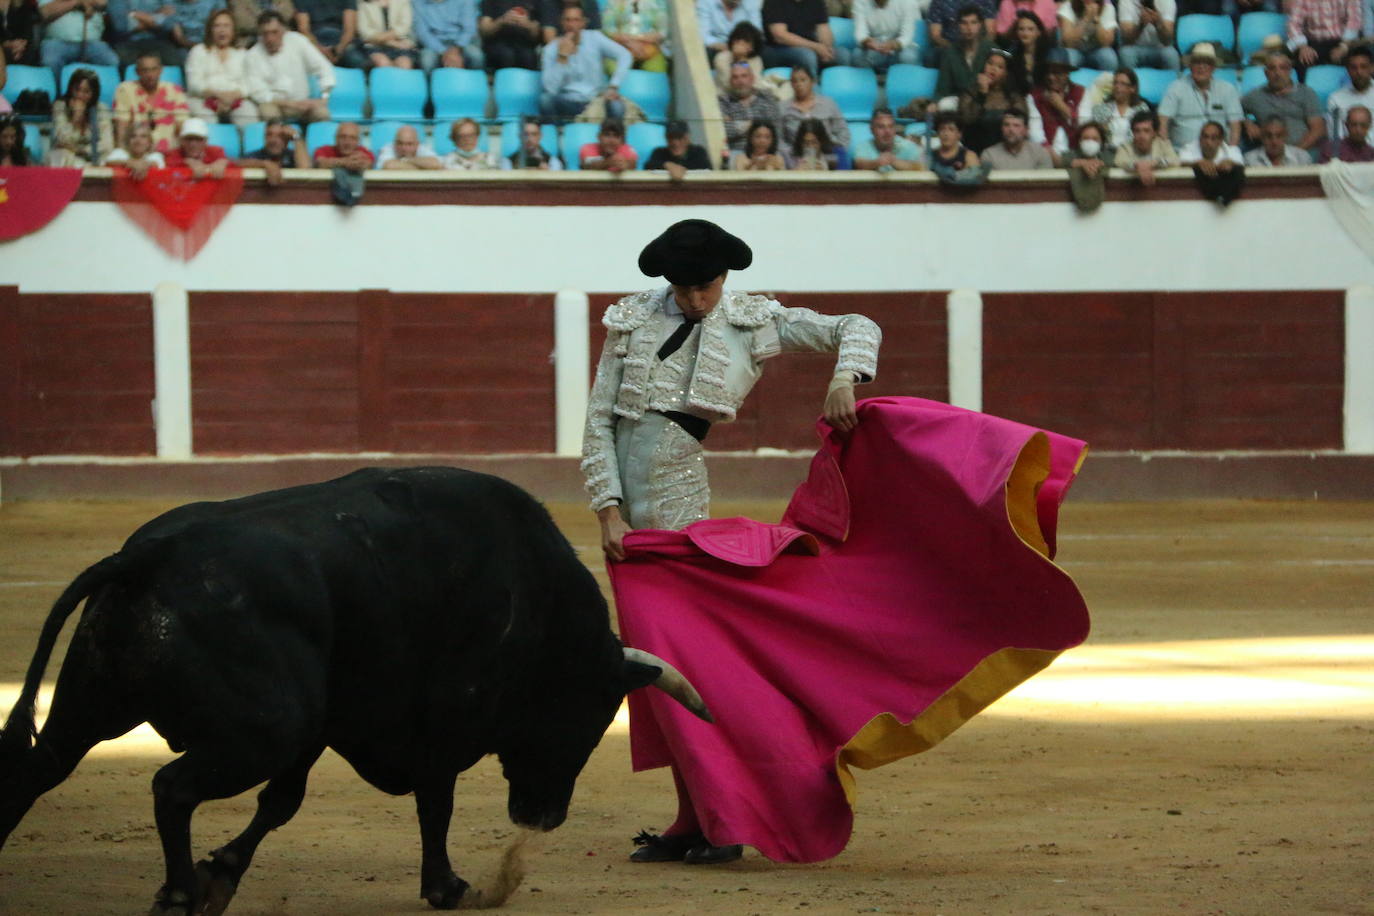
point(434, 805)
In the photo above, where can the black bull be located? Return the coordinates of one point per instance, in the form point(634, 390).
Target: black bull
point(412, 620)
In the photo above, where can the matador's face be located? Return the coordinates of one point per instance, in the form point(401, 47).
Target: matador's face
point(697, 301)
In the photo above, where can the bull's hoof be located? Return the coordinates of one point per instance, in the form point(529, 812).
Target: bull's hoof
point(217, 880)
point(173, 903)
point(446, 892)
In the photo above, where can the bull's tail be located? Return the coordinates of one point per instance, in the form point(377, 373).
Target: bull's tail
point(19, 730)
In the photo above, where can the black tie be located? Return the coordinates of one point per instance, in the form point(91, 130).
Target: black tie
point(674, 341)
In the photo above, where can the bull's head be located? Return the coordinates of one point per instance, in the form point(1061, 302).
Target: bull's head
point(542, 763)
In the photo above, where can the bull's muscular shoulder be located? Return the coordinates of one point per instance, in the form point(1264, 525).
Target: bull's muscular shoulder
point(746, 310)
point(632, 311)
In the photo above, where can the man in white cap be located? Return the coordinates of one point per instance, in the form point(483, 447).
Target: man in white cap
point(1197, 98)
point(194, 151)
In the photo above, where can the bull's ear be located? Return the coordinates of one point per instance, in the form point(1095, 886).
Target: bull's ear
point(638, 674)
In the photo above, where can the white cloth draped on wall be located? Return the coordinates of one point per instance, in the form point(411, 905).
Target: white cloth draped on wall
point(1350, 191)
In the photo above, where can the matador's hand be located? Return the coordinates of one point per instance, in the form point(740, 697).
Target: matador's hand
point(613, 531)
point(839, 403)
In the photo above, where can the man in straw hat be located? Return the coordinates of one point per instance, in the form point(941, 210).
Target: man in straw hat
point(1197, 98)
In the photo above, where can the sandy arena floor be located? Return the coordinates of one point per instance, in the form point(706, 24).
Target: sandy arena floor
point(1208, 751)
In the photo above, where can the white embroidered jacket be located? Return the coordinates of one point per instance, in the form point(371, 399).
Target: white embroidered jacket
point(736, 337)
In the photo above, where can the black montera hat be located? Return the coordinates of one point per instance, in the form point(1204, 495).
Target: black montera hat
point(692, 252)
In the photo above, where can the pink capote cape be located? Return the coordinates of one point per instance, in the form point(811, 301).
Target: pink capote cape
point(908, 586)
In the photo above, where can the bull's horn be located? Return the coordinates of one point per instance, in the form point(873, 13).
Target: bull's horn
point(672, 682)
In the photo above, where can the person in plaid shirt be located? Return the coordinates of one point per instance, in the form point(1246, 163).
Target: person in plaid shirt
point(1321, 31)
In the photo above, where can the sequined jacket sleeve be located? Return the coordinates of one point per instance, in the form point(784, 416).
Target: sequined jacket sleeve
point(853, 337)
point(600, 470)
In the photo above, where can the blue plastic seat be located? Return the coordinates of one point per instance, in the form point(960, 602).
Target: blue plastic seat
point(170, 74)
point(33, 142)
point(458, 93)
point(782, 73)
point(843, 30)
point(383, 132)
point(650, 91)
point(1085, 76)
point(859, 131)
point(1154, 83)
point(318, 134)
point(1195, 27)
point(516, 92)
point(1254, 28)
point(645, 137)
point(349, 96)
point(109, 80)
point(922, 37)
point(908, 81)
point(22, 77)
point(254, 136)
point(854, 89)
point(575, 135)
point(398, 94)
point(510, 139)
point(1252, 78)
point(226, 136)
point(1227, 75)
point(1325, 79)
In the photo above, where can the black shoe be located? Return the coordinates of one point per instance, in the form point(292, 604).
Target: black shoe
point(706, 854)
point(655, 848)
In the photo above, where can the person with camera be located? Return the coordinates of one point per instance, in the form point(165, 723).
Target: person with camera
point(1147, 33)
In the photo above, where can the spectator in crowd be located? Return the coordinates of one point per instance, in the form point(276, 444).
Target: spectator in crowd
point(951, 159)
point(1147, 150)
point(1295, 104)
point(807, 103)
point(1354, 145)
point(760, 153)
point(885, 34)
point(743, 105)
point(1115, 114)
point(551, 12)
point(82, 129)
point(13, 152)
point(1016, 151)
point(511, 33)
point(446, 31)
point(610, 152)
point(680, 155)
point(531, 154)
point(73, 34)
point(1088, 168)
point(194, 151)
point(1274, 149)
point(640, 27)
point(282, 148)
point(718, 20)
point(886, 150)
point(981, 105)
point(407, 152)
point(1147, 33)
point(1028, 44)
point(349, 160)
point(1217, 165)
point(5, 107)
point(467, 153)
point(1055, 104)
point(187, 23)
point(743, 46)
point(386, 30)
point(1197, 98)
point(137, 155)
point(279, 69)
point(797, 34)
point(812, 150)
point(144, 27)
point(19, 21)
point(1322, 31)
point(1359, 66)
point(1046, 12)
point(961, 63)
point(1087, 30)
point(246, 13)
point(942, 17)
point(148, 98)
point(575, 70)
point(332, 27)
point(217, 75)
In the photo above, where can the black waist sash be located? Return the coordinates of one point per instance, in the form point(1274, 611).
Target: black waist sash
point(695, 427)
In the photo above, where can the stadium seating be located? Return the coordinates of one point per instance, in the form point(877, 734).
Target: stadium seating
point(859, 131)
point(517, 93)
point(109, 80)
point(398, 94)
point(1325, 79)
point(908, 81)
point(319, 134)
point(922, 33)
point(1226, 75)
point(843, 30)
point(1195, 27)
point(782, 73)
point(645, 137)
point(458, 93)
point(575, 135)
point(170, 74)
point(226, 136)
point(1254, 28)
point(21, 78)
point(349, 96)
point(254, 135)
point(510, 139)
point(854, 89)
point(35, 144)
point(1085, 76)
point(1252, 78)
point(650, 91)
point(1154, 83)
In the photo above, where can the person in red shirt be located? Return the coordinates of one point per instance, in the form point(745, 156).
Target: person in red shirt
point(347, 153)
point(194, 151)
point(609, 153)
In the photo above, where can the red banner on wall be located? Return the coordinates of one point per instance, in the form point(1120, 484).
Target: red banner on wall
point(31, 197)
point(180, 212)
